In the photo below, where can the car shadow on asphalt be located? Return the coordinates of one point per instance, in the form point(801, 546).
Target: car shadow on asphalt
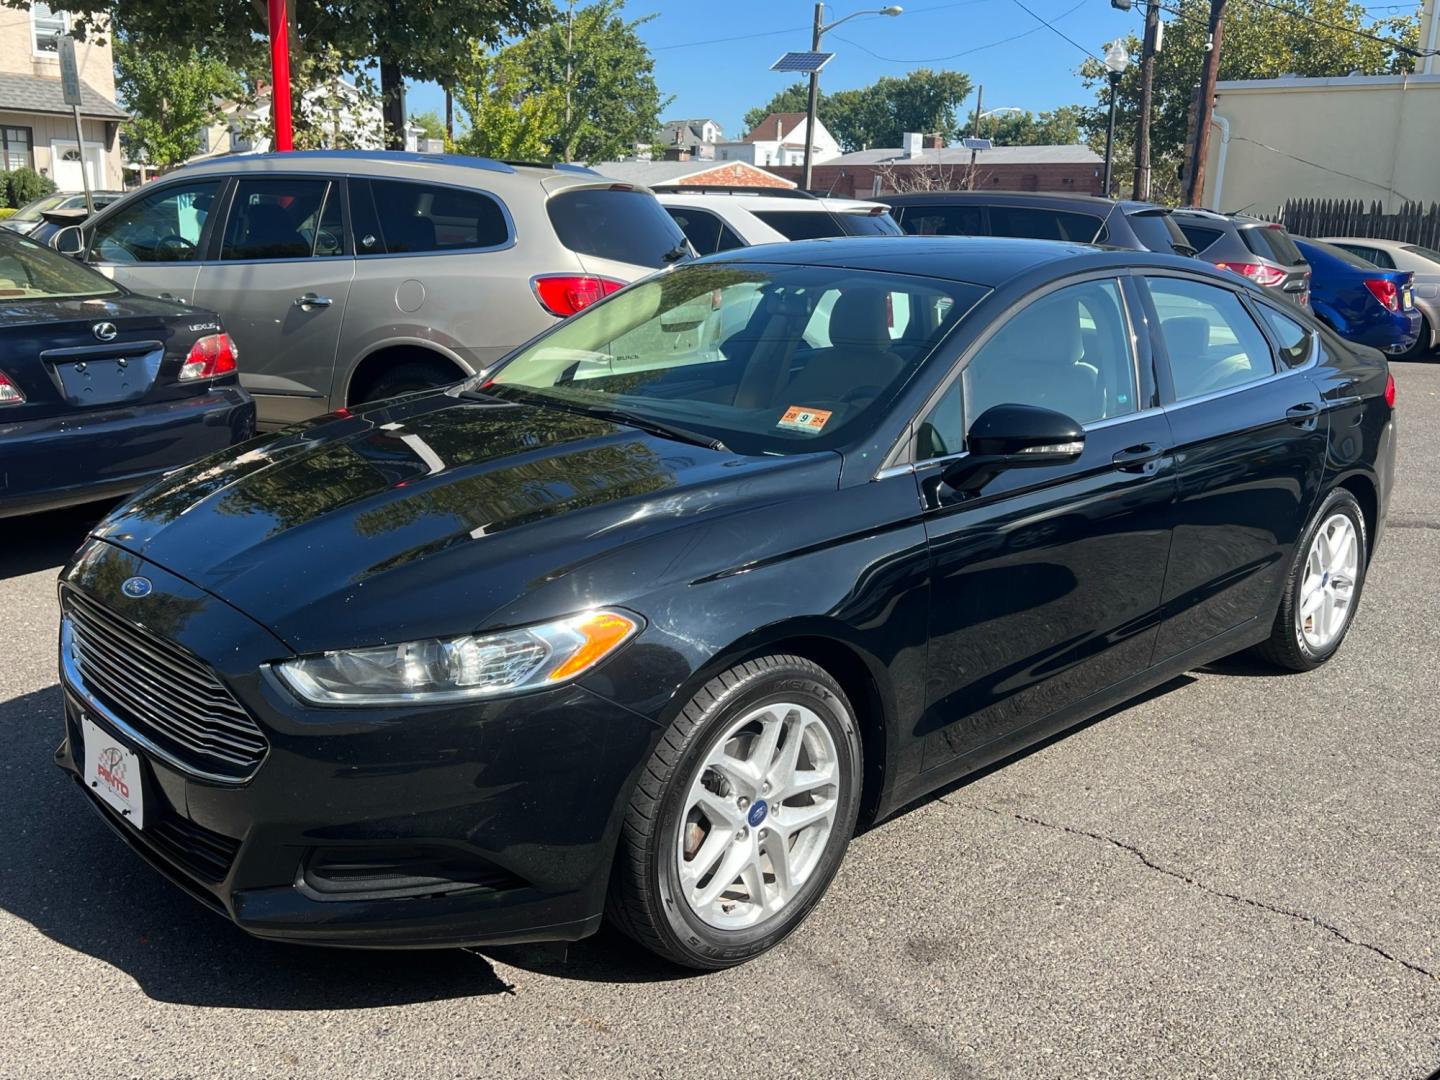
point(43, 541)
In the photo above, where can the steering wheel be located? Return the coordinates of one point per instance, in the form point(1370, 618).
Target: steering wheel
point(174, 241)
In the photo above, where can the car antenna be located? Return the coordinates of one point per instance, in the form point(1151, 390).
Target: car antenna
point(831, 189)
point(1115, 205)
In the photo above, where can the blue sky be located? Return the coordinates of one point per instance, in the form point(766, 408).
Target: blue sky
point(722, 79)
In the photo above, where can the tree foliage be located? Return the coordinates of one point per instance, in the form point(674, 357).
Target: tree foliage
point(1259, 42)
point(171, 95)
point(1059, 127)
point(431, 124)
point(429, 41)
point(880, 114)
point(613, 101)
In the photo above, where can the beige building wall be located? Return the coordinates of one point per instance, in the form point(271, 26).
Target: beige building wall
point(1364, 137)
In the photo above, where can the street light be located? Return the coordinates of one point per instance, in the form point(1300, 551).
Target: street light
point(1116, 61)
point(821, 28)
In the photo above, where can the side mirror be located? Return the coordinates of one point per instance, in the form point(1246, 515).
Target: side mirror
point(1014, 437)
point(69, 241)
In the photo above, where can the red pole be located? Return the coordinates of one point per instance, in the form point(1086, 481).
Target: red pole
point(280, 74)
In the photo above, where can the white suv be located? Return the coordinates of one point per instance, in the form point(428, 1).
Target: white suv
point(721, 218)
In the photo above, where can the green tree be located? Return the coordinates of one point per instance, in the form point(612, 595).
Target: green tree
point(431, 125)
point(428, 41)
point(881, 113)
point(172, 95)
point(1260, 42)
point(510, 117)
point(1059, 127)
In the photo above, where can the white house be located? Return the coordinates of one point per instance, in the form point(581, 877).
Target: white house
point(780, 139)
point(697, 137)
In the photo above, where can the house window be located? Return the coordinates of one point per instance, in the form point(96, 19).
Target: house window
point(15, 146)
point(47, 22)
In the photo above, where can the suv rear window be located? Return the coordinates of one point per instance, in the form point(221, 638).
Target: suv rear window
point(609, 223)
point(942, 220)
point(1158, 232)
point(801, 224)
point(1273, 243)
point(1199, 236)
point(867, 224)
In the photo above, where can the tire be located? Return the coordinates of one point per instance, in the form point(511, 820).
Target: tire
point(651, 899)
point(1296, 643)
point(1421, 348)
point(407, 377)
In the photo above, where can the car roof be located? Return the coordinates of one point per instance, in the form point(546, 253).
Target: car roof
point(397, 164)
point(980, 260)
point(760, 200)
point(1367, 241)
point(1240, 221)
point(1019, 198)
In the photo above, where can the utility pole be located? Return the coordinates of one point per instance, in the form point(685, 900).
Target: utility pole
point(569, 52)
point(1141, 189)
point(449, 116)
point(812, 109)
point(1200, 148)
point(979, 105)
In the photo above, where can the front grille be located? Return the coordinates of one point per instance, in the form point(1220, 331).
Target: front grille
point(168, 697)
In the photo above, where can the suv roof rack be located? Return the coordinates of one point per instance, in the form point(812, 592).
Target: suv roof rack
point(558, 166)
point(739, 189)
point(462, 160)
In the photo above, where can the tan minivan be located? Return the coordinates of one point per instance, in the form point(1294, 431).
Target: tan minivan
point(346, 276)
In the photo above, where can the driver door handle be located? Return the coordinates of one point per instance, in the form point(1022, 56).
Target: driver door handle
point(1138, 459)
point(311, 300)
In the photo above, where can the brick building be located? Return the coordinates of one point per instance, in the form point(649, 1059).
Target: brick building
point(917, 166)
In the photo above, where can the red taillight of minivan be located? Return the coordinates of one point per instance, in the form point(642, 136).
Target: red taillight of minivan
point(1256, 272)
point(1384, 291)
point(210, 357)
point(565, 294)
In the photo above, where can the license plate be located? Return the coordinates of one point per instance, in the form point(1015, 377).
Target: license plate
point(112, 771)
point(105, 382)
point(1407, 298)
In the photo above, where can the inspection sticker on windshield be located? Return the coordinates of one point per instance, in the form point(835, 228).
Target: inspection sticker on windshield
point(807, 420)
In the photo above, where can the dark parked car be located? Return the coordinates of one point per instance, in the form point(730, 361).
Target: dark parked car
point(633, 628)
point(1362, 302)
point(1260, 251)
point(28, 218)
point(102, 390)
point(1082, 219)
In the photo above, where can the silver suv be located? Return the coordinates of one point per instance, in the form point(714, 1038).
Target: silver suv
point(346, 276)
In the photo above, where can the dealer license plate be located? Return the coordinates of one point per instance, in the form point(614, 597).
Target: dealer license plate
point(112, 771)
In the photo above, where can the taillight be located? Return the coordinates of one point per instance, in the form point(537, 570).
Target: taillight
point(10, 394)
point(1390, 390)
point(1256, 272)
point(212, 355)
point(1385, 292)
point(565, 294)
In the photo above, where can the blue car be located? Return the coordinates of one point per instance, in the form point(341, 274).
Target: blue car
point(101, 390)
point(1360, 301)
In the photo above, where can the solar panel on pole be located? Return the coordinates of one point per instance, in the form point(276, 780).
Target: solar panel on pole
point(803, 62)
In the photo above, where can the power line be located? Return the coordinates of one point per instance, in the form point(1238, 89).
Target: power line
point(1398, 46)
point(1317, 165)
point(962, 52)
point(1054, 30)
point(723, 40)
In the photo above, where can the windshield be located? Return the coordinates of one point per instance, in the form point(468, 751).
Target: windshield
point(29, 271)
point(767, 359)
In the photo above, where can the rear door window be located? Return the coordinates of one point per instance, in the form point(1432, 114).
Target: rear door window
point(705, 231)
point(282, 219)
point(616, 223)
point(1041, 224)
point(1273, 243)
point(415, 218)
point(1210, 339)
point(801, 224)
point(942, 220)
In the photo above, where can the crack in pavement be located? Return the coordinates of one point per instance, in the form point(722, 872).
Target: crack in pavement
point(1178, 875)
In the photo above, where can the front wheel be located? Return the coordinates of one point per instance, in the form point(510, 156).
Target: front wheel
point(1324, 587)
point(741, 816)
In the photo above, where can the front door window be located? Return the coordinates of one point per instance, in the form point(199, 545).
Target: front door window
point(162, 227)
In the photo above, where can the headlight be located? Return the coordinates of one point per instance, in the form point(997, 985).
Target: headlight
point(462, 668)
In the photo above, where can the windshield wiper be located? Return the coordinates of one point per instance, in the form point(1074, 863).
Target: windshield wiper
point(655, 427)
point(678, 252)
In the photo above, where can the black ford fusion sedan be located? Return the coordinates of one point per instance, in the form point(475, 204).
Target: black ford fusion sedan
point(638, 624)
point(102, 390)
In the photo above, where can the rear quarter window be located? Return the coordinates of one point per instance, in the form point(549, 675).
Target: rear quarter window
point(1200, 237)
point(415, 218)
point(1273, 243)
point(615, 223)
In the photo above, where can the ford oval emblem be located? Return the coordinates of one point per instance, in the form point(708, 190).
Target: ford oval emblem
point(136, 587)
point(104, 331)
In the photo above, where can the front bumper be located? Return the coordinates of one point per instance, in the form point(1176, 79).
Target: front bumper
point(82, 456)
point(511, 809)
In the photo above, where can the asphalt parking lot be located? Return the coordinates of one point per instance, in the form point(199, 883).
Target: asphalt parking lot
point(1233, 877)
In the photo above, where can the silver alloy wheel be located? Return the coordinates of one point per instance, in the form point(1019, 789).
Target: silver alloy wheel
point(758, 815)
point(1327, 591)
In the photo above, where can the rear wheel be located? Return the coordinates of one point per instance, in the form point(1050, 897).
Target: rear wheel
point(741, 816)
point(1422, 343)
point(1324, 587)
point(407, 377)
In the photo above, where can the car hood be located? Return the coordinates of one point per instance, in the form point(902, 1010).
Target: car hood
point(379, 525)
